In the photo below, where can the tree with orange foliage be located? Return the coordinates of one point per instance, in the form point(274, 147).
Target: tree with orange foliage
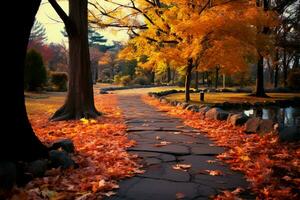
point(202, 34)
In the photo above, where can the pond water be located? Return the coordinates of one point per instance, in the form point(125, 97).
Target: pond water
point(285, 117)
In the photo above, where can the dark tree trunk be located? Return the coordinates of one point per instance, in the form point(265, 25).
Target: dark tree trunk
point(188, 77)
point(217, 77)
point(173, 76)
point(80, 97)
point(285, 68)
point(260, 89)
point(203, 78)
point(153, 77)
point(196, 80)
point(168, 74)
point(276, 69)
point(17, 139)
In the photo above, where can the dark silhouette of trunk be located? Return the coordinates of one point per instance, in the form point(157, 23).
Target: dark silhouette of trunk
point(188, 77)
point(217, 77)
point(276, 69)
point(260, 89)
point(80, 98)
point(168, 74)
point(285, 68)
point(17, 140)
point(173, 76)
point(153, 77)
point(203, 78)
point(196, 80)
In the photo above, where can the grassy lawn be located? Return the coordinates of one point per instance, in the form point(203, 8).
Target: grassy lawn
point(232, 97)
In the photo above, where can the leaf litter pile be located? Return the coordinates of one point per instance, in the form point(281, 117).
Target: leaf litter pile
point(271, 167)
point(100, 152)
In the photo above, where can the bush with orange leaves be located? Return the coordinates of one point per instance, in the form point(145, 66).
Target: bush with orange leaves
point(100, 152)
point(271, 166)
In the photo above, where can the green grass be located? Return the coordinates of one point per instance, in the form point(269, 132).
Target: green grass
point(231, 97)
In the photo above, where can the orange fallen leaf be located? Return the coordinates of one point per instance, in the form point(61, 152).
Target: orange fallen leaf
point(180, 195)
point(214, 172)
point(183, 167)
point(162, 143)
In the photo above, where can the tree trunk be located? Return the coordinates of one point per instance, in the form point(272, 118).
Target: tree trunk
point(276, 69)
point(153, 77)
point(196, 80)
point(217, 77)
point(285, 68)
point(17, 139)
point(203, 78)
point(188, 77)
point(260, 90)
point(168, 74)
point(80, 98)
point(173, 76)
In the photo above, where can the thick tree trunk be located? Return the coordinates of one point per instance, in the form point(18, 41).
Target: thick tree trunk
point(276, 69)
point(203, 78)
point(17, 139)
point(188, 77)
point(196, 80)
point(260, 89)
point(80, 97)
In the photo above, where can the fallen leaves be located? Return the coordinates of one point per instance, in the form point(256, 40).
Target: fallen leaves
point(162, 143)
point(271, 167)
point(180, 195)
point(183, 167)
point(100, 151)
point(214, 172)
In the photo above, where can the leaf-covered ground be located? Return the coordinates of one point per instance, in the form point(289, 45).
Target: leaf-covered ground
point(272, 167)
point(100, 151)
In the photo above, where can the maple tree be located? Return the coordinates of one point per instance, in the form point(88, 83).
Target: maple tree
point(225, 35)
point(80, 99)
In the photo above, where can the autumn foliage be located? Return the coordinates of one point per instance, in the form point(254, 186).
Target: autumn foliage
point(100, 152)
point(272, 167)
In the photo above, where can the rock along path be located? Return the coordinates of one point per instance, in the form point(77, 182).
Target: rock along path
point(148, 126)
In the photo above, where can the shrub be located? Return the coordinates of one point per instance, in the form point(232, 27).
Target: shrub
point(59, 80)
point(294, 79)
point(141, 80)
point(35, 74)
point(125, 80)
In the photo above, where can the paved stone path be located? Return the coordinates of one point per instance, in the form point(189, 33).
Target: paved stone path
point(148, 127)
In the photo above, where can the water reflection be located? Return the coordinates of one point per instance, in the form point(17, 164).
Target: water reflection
point(286, 117)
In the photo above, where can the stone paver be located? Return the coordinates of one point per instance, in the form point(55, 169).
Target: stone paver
point(149, 127)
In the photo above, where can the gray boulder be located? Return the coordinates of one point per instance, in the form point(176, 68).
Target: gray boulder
point(237, 119)
point(184, 105)
point(266, 126)
point(193, 108)
point(216, 114)
point(202, 111)
point(66, 144)
point(60, 159)
point(252, 125)
point(258, 125)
